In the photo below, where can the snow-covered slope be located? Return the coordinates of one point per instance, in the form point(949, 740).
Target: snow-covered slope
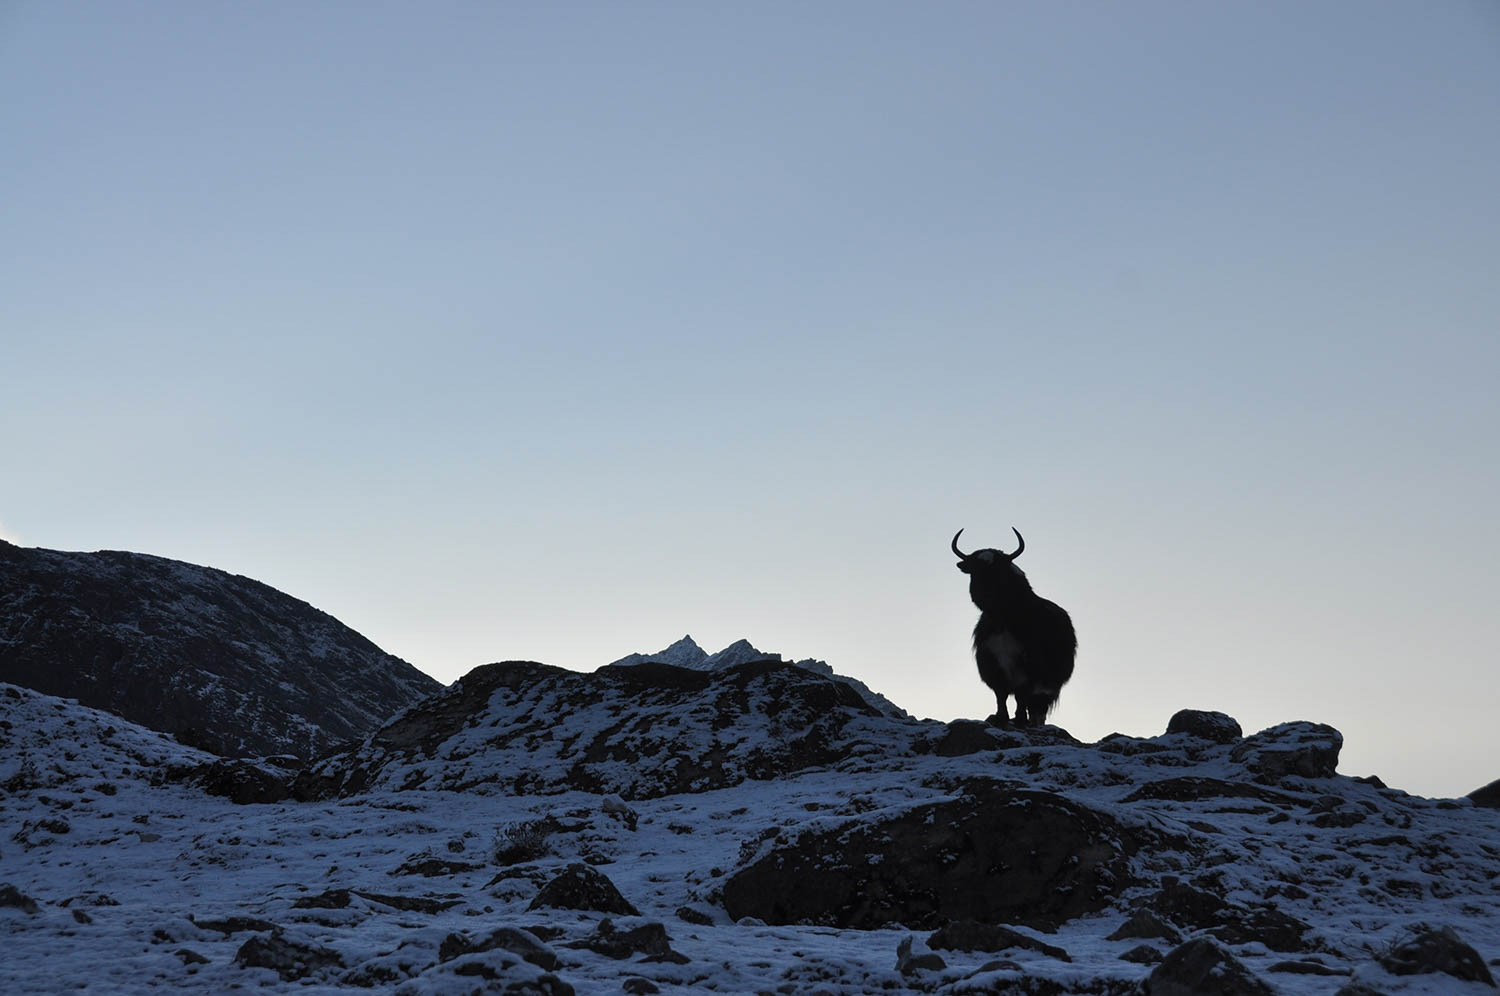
point(1066, 867)
point(224, 662)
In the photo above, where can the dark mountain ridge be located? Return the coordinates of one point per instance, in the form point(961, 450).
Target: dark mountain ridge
point(221, 661)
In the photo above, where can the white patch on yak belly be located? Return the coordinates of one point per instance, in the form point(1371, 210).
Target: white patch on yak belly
point(1006, 651)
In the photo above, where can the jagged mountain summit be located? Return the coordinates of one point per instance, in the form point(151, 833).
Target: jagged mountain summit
point(686, 653)
point(221, 661)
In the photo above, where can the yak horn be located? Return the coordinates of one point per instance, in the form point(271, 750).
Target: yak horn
point(956, 551)
point(1019, 539)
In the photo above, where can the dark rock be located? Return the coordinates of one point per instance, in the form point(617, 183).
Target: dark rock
point(1487, 797)
point(82, 917)
point(1429, 950)
point(286, 958)
point(967, 935)
point(190, 957)
point(16, 899)
point(521, 943)
point(965, 736)
point(649, 939)
point(1358, 989)
point(690, 915)
point(1203, 967)
point(580, 887)
point(1195, 909)
point(1212, 726)
point(910, 964)
point(409, 904)
point(239, 780)
point(637, 986)
point(433, 867)
point(993, 855)
point(1308, 750)
point(1145, 924)
point(235, 924)
point(1305, 967)
point(1191, 788)
point(1142, 954)
point(333, 899)
point(222, 662)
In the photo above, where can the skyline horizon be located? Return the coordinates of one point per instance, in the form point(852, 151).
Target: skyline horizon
point(552, 333)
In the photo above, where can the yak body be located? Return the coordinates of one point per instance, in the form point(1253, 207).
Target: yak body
point(1023, 643)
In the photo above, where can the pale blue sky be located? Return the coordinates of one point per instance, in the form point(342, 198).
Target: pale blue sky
point(555, 331)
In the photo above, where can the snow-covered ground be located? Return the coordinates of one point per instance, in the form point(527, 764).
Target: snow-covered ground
point(123, 877)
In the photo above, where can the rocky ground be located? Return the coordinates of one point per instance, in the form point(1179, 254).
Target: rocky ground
point(757, 828)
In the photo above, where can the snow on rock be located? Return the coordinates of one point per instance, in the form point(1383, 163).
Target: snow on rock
point(686, 653)
point(635, 730)
point(224, 662)
point(780, 835)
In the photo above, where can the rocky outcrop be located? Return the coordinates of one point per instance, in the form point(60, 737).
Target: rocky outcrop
point(220, 661)
point(640, 731)
point(993, 855)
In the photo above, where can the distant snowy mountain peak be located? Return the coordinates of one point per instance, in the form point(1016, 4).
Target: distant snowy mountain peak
point(686, 653)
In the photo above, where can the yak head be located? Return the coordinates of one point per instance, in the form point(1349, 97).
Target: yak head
point(994, 579)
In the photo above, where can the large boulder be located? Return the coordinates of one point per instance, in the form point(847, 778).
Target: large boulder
point(1307, 750)
point(1203, 967)
point(992, 855)
point(1215, 727)
point(1430, 950)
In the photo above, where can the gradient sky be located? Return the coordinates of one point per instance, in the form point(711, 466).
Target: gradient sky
point(556, 331)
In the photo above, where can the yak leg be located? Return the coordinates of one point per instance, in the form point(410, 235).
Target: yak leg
point(1001, 718)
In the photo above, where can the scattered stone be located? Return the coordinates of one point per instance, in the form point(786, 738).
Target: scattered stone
point(333, 899)
point(690, 915)
point(909, 964)
point(1212, 726)
point(190, 957)
point(286, 958)
point(1303, 966)
point(637, 986)
point(1142, 954)
point(1203, 967)
point(82, 917)
point(235, 924)
point(967, 935)
point(409, 904)
point(16, 899)
point(580, 887)
point(433, 867)
point(1145, 924)
point(1429, 950)
point(649, 939)
point(521, 943)
point(1358, 989)
point(1195, 909)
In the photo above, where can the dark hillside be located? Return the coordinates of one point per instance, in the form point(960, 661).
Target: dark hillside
point(221, 661)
